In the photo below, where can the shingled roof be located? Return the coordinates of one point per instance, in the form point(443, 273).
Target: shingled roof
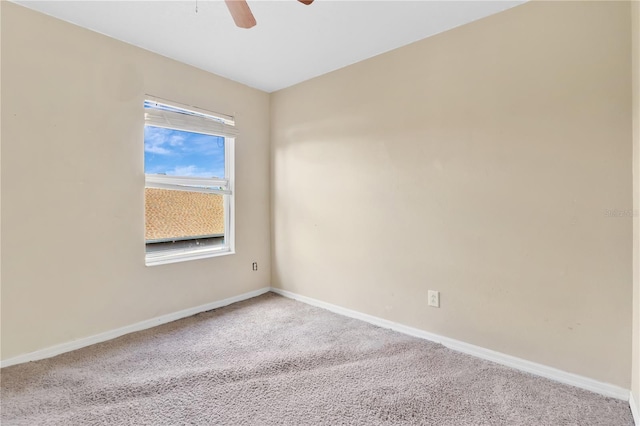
point(180, 214)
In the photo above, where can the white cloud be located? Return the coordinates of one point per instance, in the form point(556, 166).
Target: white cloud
point(154, 149)
point(159, 141)
point(176, 140)
point(191, 171)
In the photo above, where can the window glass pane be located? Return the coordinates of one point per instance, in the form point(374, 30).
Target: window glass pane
point(180, 153)
point(183, 218)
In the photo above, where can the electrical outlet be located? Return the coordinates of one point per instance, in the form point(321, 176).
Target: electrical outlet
point(434, 298)
point(255, 266)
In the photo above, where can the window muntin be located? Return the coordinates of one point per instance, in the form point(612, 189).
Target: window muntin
point(188, 184)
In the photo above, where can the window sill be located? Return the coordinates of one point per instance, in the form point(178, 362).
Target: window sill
point(183, 256)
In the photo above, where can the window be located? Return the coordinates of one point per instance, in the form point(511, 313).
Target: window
point(188, 166)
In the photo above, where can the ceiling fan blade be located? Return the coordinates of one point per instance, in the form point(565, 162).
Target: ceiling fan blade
point(241, 13)
point(307, 2)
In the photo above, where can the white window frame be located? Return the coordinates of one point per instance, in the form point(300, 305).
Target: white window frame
point(203, 122)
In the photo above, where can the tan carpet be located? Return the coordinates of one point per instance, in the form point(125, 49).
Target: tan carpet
point(274, 361)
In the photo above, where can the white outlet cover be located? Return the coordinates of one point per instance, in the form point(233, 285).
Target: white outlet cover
point(434, 298)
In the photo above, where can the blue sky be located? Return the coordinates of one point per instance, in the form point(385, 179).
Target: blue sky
point(179, 153)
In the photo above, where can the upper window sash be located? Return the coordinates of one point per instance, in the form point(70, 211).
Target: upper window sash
point(190, 184)
point(186, 180)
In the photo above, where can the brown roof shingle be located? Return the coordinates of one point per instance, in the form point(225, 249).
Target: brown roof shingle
point(178, 214)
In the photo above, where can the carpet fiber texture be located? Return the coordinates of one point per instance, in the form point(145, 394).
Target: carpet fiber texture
point(275, 361)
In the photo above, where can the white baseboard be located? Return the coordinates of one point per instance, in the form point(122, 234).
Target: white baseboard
point(108, 335)
point(477, 351)
point(601, 388)
point(634, 409)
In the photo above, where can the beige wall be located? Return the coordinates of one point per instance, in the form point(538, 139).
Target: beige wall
point(635, 377)
point(73, 184)
point(0, 185)
point(479, 163)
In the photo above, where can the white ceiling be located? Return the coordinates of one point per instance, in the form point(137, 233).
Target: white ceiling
point(291, 42)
